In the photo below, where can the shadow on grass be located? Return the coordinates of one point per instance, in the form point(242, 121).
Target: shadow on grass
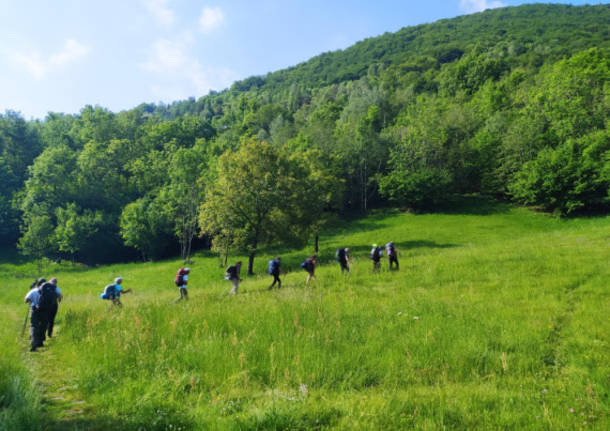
point(473, 205)
point(402, 246)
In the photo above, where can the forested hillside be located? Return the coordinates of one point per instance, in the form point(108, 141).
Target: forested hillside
point(511, 103)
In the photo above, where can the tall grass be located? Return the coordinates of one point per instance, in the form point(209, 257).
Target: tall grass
point(495, 320)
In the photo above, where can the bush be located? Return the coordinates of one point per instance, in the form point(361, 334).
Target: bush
point(419, 189)
point(567, 178)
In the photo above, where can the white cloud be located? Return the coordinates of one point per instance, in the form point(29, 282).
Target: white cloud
point(211, 18)
point(471, 6)
point(73, 50)
point(32, 63)
point(179, 74)
point(39, 67)
point(160, 11)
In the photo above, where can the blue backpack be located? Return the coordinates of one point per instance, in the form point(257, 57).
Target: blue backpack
point(110, 292)
point(272, 267)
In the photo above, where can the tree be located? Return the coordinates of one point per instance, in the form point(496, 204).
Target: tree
point(260, 195)
point(146, 226)
point(185, 192)
point(572, 176)
point(37, 241)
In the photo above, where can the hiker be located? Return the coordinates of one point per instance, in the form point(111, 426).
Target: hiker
point(376, 253)
point(390, 250)
point(181, 281)
point(54, 307)
point(274, 270)
point(40, 298)
point(113, 292)
point(309, 265)
point(342, 256)
point(232, 274)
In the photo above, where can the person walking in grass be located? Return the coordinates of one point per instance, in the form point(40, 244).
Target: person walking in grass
point(274, 270)
point(113, 292)
point(41, 298)
point(181, 281)
point(54, 307)
point(392, 254)
point(342, 256)
point(309, 265)
point(37, 318)
point(232, 275)
point(376, 253)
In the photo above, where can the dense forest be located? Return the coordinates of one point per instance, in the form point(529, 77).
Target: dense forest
point(511, 103)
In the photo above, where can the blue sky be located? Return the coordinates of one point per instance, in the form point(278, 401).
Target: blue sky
point(60, 56)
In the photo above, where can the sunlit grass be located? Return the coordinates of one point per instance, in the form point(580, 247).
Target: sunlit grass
point(494, 321)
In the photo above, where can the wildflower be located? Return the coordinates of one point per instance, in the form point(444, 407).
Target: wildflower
point(571, 410)
point(415, 317)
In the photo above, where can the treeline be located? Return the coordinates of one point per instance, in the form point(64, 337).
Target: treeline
point(511, 103)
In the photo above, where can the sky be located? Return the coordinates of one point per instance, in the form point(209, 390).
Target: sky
point(62, 55)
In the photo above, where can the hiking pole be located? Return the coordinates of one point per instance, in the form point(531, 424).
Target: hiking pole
point(25, 322)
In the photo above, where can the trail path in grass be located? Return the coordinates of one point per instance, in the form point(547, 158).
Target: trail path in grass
point(65, 409)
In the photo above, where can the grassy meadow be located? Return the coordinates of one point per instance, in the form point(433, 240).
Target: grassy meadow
point(497, 319)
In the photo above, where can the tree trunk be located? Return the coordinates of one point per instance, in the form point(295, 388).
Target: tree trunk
point(251, 263)
point(317, 241)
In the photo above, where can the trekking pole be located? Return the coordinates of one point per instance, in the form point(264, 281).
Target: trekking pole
point(25, 322)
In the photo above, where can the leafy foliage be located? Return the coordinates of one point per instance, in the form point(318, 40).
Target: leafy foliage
point(511, 102)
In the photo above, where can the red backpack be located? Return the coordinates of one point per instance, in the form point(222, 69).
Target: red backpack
point(179, 279)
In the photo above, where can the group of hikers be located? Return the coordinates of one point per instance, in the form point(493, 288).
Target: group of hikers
point(309, 265)
point(44, 296)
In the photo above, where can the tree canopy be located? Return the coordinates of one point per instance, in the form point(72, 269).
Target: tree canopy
point(511, 102)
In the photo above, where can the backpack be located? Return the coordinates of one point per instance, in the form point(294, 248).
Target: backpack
point(373, 253)
point(340, 254)
point(304, 265)
point(273, 266)
point(231, 272)
point(48, 296)
point(179, 279)
point(109, 292)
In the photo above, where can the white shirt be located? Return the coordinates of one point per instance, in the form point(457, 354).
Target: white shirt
point(34, 295)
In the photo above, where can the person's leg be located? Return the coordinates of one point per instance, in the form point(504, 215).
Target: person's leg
point(33, 330)
point(235, 282)
point(52, 314)
point(393, 259)
point(183, 294)
point(39, 325)
point(43, 325)
point(279, 282)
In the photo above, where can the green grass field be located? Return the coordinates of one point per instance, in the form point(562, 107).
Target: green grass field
point(497, 319)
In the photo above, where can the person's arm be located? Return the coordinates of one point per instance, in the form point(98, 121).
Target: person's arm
point(127, 290)
point(29, 297)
